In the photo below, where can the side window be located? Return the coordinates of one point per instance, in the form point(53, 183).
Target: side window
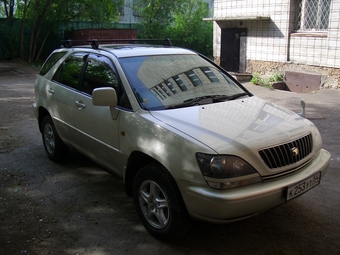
point(100, 72)
point(70, 70)
point(50, 62)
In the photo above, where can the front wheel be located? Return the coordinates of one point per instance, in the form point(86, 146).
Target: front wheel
point(159, 203)
point(55, 148)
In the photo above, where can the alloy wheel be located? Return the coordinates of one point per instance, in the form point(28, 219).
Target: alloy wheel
point(49, 138)
point(154, 204)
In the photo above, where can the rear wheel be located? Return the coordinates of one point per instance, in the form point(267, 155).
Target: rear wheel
point(55, 148)
point(159, 203)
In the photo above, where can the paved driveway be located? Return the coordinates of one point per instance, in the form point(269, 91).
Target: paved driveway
point(77, 208)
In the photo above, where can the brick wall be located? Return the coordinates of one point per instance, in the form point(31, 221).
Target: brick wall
point(103, 34)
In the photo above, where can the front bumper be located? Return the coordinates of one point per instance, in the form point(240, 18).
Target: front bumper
point(223, 206)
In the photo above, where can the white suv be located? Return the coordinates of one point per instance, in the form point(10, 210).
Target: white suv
point(187, 139)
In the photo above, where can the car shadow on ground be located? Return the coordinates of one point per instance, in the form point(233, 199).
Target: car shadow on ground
point(77, 207)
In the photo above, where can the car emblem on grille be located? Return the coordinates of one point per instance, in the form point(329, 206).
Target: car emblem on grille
point(294, 151)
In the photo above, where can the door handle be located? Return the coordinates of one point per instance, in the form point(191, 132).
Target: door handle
point(80, 105)
point(51, 91)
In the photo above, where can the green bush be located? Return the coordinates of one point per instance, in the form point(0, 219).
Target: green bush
point(276, 77)
point(256, 79)
point(266, 82)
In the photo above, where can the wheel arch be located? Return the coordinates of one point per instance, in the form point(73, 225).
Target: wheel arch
point(136, 161)
point(41, 115)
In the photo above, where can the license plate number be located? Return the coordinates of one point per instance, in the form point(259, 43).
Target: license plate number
point(303, 186)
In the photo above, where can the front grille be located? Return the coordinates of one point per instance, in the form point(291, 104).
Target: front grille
point(287, 154)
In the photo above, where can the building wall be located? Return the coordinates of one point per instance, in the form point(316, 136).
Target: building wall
point(274, 39)
point(128, 14)
point(266, 39)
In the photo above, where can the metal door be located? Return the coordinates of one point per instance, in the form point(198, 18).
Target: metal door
point(233, 49)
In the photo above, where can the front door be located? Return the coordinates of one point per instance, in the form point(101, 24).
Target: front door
point(97, 134)
point(233, 53)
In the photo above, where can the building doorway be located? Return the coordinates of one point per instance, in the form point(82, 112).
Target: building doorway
point(233, 49)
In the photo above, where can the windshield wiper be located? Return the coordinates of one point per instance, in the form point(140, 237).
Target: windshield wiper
point(193, 101)
point(206, 100)
point(228, 98)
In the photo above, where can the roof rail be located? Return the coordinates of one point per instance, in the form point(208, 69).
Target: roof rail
point(95, 42)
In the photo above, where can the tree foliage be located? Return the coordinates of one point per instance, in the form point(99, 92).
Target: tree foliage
point(156, 16)
point(190, 30)
point(7, 9)
point(44, 16)
point(180, 20)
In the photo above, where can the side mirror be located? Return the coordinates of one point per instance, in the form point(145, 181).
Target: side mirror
point(105, 96)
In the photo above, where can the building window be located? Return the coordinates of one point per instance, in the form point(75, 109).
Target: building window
point(312, 15)
point(180, 83)
point(120, 9)
point(136, 7)
point(210, 74)
point(194, 78)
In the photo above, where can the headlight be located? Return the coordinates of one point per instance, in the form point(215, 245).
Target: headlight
point(224, 172)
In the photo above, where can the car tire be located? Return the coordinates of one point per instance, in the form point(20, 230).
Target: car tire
point(55, 148)
point(159, 203)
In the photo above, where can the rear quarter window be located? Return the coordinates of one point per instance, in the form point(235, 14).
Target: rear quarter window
point(69, 71)
point(51, 61)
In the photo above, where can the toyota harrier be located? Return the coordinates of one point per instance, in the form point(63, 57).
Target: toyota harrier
point(187, 139)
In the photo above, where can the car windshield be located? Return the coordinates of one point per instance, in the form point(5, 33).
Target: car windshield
point(174, 81)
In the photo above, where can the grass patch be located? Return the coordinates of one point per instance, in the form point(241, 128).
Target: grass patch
point(266, 82)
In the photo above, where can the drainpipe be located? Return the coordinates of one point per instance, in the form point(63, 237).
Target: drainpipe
point(288, 46)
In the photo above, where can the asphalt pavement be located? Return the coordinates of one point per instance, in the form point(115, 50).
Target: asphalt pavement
point(78, 208)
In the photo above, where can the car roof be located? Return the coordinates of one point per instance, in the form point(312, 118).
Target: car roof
point(133, 50)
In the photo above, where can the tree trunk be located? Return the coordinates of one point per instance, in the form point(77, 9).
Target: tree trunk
point(30, 52)
point(42, 45)
point(9, 11)
point(36, 28)
point(22, 29)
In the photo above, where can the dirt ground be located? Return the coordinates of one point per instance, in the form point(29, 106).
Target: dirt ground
point(77, 208)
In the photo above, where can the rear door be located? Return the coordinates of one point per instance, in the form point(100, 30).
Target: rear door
point(62, 90)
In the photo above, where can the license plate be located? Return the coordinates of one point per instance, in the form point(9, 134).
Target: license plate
point(303, 186)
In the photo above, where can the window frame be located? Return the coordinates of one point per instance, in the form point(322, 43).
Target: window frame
point(123, 101)
point(95, 58)
point(51, 61)
point(60, 69)
point(306, 22)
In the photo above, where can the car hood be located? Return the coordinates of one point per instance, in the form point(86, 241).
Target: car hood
point(229, 127)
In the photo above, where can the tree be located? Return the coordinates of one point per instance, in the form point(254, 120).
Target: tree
point(7, 7)
point(45, 16)
point(156, 15)
point(190, 30)
point(180, 20)
point(23, 7)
